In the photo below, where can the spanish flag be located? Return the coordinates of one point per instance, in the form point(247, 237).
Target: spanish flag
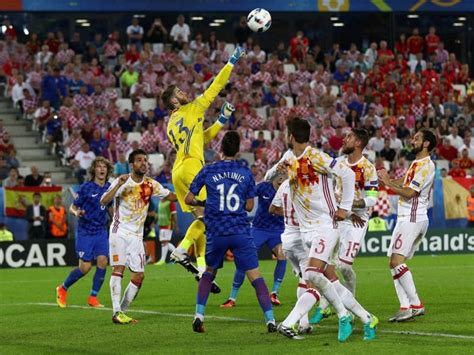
point(455, 193)
point(18, 198)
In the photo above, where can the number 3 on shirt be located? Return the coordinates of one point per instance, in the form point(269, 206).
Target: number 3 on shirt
point(187, 135)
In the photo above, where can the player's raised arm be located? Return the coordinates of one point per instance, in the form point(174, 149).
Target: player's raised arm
point(109, 195)
point(226, 111)
point(220, 81)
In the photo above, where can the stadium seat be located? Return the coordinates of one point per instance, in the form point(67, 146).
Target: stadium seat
point(23, 171)
point(124, 104)
point(158, 48)
point(156, 161)
point(262, 112)
point(289, 101)
point(267, 135)
point(147, 104)
point(334, 90)
point(249, 157)
point(116, 90)
point(442, 164)
point(289, 68)
point(134, 136)
point(386, 165)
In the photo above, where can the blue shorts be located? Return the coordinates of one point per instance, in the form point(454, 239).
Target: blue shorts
point(242, 246)
point(266, 236)
point(89, 246)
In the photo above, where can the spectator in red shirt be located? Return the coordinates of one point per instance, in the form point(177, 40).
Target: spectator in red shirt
point(298, 46)
point(432, 40)
point(415, 43)
point(465, 162)
point(447, 151)
point(456, 171)
point(132, 55)
point(52, 42)
point(10, 31)
point(401, 46)
point(336, 140)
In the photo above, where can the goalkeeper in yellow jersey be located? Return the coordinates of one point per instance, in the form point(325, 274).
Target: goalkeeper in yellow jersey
point(186, 133)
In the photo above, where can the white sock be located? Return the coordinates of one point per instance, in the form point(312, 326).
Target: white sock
point(129, 295)
point(349, 277)
point(116, 290)
point(302, 307)
point(401, 294)
point(300, 290)
point(323, 303)
point(171, 247)
point(164, 251)
point(404, 276)
point(351, 303)
point(327, 289)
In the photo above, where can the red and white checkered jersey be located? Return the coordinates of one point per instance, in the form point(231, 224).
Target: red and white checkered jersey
point(419, 177)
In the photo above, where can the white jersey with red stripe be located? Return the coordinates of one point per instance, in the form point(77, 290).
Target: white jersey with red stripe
point(131, 205)
point(366, 185)
point(419, 177)
point(311, 179)
point(283, 199)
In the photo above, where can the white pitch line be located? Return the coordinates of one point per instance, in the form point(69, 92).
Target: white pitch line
point(246, 320)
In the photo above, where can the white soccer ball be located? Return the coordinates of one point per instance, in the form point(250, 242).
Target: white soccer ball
point(259, 20)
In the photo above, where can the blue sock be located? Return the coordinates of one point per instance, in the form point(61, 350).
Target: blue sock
point(278, 275)
point(98, 280)
point(204, 288)
point(73, 276)
point(263, 299)
point(239, 277)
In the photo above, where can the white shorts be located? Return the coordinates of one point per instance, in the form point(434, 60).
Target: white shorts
point(406, 238)
point(127, 250)
point(321, 242)
point(165, 235)
point(295, 251)
point(350, 239)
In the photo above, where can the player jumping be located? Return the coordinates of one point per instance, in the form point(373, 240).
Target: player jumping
point(230, 193)
point(185, 131)
point(92, 241)
point(131, 194)
point(412, 222)
point(266, 229)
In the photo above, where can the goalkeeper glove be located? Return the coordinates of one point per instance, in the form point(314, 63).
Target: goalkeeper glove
point(238, 53)
point(226, 111)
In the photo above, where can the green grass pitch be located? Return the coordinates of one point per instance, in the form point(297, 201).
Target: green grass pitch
point(31, 323)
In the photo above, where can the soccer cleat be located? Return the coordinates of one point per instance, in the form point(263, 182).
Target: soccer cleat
point(418, 310)
point(369, 328)
point(94, 302)
point(228, 304)
point(319, 314)
point(61, 295)
point(180, 258)
point(214, 287)
point(289, 332)
point(345, 328)
point(198, 325)
point(271, 326)
point(122, 318)
point(274, 299)
point(411, 313)
point(401, 312)
point(305, 330)
point(160, 263)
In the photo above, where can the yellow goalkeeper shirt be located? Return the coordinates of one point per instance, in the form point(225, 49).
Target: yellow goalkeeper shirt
point(185, 127)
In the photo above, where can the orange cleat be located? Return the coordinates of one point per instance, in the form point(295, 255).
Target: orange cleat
point(274, 299)
point(61, 295)
point(94, 302)
point(228, 304)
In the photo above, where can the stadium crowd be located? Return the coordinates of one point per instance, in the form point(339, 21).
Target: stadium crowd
point(71, 89)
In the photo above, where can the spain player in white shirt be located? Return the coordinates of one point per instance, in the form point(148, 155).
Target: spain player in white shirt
point(131, 194)
point(294, 248)
point(311, 173)
point(412, 222)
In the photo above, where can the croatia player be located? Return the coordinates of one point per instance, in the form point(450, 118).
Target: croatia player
point(186, 133)
point(293, 246)
point(412, 222)
point(311, 174)
point(131, 194)
point(266, 229)
point(92, 240)
point(230, 193)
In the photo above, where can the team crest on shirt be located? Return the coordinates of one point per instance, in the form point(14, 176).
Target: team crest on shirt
point(305, 173)
point(115, 258)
